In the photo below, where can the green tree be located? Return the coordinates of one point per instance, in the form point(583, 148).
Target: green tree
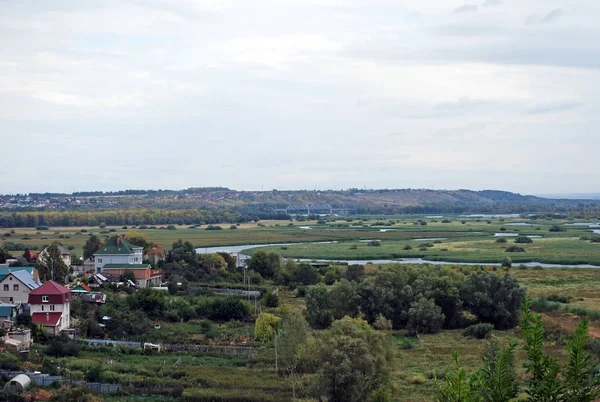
point(318, 312)
point(266, 264)
point(353, 361)
point(90, 247)
point(424, 316)
point(4, 254)
point(343, 300)
point(355, 273)
point(492, 298)
point(306, 274)
point(265, 326)
point(581, 381)
point(50, 265)
point(183, 251)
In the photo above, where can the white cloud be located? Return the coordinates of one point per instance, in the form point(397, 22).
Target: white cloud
point(297, 92)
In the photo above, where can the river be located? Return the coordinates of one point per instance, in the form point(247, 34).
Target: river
point(241, 257)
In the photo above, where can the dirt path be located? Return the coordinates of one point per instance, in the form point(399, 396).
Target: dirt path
point(569, 322)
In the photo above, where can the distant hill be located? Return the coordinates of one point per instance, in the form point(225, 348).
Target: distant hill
point(383, 201)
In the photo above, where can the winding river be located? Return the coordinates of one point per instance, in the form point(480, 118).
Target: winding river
point(238, 250)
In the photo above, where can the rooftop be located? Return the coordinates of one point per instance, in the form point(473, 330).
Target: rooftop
point(126, 266)
point(46, 318)
point(5, 271)
point(116, 245)
point(50, 288)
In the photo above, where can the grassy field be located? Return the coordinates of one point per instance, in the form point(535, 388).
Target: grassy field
point(468, 240)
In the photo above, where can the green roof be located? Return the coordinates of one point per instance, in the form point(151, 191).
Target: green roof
point(6, 310)
point(126, 266)
point(111, 247)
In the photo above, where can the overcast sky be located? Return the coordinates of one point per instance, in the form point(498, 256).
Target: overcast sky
point(294, 94)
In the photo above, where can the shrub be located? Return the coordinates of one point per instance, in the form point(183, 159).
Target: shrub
point(424, 316)
point(213, 227)
point(41, 227)
point(418, 379)
point(229, 308)
point(515, 249)
point(507, 262)
point(83, 231)
point(523, 239)
point(501, 240)
point(171, 227)
point(374, 243)
point(232, 227)
point(355, 273)
point(479, 331)
point(272, 299)
point(102, 225)
point(559, 299)
point(557, 228)
point(353, 247)
point(408, 247)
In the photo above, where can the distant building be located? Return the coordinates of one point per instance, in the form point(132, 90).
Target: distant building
point(51, 306)
point(144, 275)
point(117, 251)
point(8, 312)
point(16, 286)
point(156, 254)
point(65, 256)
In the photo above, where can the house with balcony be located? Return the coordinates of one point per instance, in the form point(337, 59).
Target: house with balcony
point(50, 306)
point(117, 257)
point(118, 251)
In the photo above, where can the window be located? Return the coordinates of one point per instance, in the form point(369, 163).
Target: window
point(42, 307)
point(16, 287)
point(99, 260)
point(44, 299)
point(6, 288)
point(52, 307)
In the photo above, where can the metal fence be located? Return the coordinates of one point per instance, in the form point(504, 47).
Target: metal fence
point(45, 380)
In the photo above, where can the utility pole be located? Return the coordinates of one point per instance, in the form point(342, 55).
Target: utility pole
point(275, 339)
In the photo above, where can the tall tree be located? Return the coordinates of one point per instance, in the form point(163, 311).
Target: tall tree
point(50, 265)
point(4, 254)
point(91, 246)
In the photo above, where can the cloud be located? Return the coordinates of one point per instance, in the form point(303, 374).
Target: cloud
point(549, 18)
point(491, 3)
point(552, 107)
point(552, 16)
point(467, 8)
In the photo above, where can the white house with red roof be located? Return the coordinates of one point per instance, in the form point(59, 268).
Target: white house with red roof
point(51, 306)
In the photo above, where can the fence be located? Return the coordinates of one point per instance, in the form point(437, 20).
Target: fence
point(212, 350)
point(45, 380)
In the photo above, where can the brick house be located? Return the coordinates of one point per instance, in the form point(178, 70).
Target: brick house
point(50, 306)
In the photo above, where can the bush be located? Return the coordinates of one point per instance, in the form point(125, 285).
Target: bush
point(355, 273)
point(557, 228)
point(353, 247)
point(515, 249)
point(479, 331)
point(229, 308)
point(232, 227)
point(171, 227)
point(102, 225)
point(424, 316)
point(523, 239)
point(374, 243)
point(41, 227)
point(272, 300)
point(501, 240)
point(559, 299)
point(418, 379)
point(507, 262)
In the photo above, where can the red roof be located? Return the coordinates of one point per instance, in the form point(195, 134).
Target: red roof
point(84, 286)
point(51, 288)
point(50, 319)
point(155, 250)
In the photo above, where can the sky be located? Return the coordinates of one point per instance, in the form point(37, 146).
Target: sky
point(299, 94)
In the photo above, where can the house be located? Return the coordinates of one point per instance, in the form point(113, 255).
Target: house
point(80, 289)
point(93, 298)
point(51, 306)
point(117, 251)
point(32, 270)
point(8, 312)
point(144, 275)
point(19, 339)
point(89, 264)
point(65, 256)
point(156, 254)
point(16, 286)
point(117, 257)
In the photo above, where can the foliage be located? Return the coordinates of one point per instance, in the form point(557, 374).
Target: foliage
point(353, 361)
point(73, 394)
point(306, 274)
point(479, 331)
point(266, 264)
point(355, 273)
point(50, 265)
point(501, 240)
point(557, 228)
point(271, 299)
point(91, 245)
point(493, 299)
point(343, 300)
point(514, 249)
point(424, 316)
point(317, 306)
point(183, 252)
point(507, 262)
point(61, 346)
point(265, 326)
point(523, 239)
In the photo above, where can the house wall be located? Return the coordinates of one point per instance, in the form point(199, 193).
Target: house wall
point(66, 258)
point(102, 259)
point(13, 296)
point(64, 308)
